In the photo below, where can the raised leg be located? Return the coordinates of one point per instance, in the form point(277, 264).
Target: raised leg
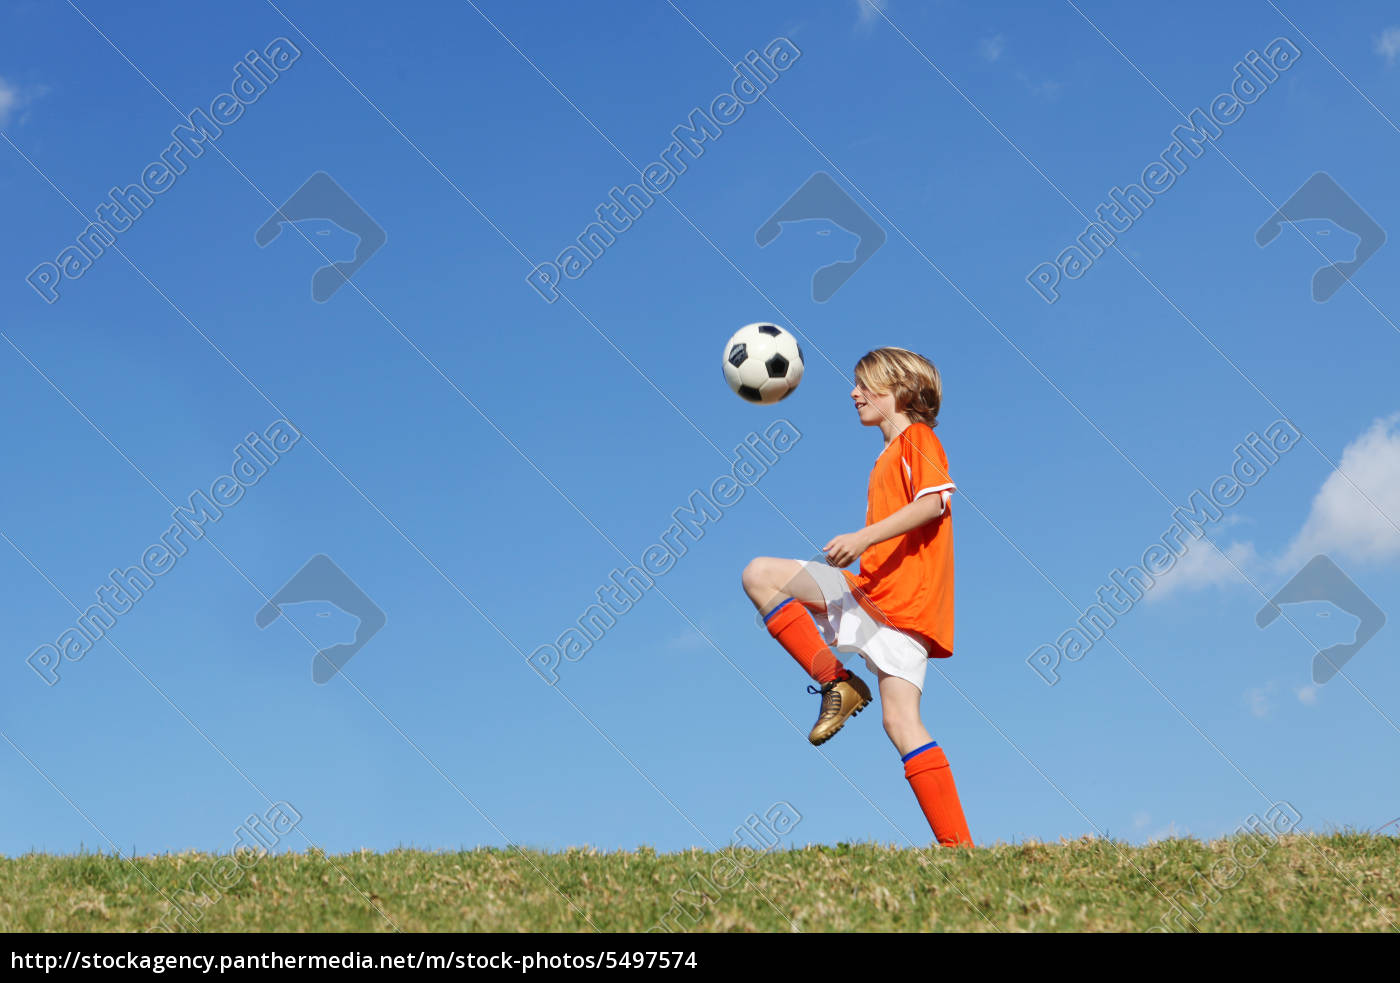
point(770, 581)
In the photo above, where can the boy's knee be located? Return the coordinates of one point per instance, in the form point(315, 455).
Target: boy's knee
point(757, 574)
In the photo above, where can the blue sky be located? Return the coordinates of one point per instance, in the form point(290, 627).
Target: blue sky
point(478, 460)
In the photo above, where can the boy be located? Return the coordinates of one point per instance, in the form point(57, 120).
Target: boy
point(898, 610)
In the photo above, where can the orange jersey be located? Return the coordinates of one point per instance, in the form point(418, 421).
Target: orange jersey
point(908, 580)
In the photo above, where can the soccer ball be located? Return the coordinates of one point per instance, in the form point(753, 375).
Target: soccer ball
point(762, 362)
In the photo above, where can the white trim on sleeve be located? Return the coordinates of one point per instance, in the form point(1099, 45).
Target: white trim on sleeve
point(945, 489)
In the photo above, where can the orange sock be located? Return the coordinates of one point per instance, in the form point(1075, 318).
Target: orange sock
point(932, 781)
point(795, 630)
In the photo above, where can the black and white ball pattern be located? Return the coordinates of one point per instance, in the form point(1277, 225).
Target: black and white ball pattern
point(762, 363)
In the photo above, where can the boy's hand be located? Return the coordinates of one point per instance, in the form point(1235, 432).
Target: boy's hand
point(843, 550)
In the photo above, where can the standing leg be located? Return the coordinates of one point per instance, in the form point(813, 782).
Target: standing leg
point(925, 765)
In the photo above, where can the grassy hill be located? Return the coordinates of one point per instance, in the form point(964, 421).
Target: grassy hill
point(1337, 882)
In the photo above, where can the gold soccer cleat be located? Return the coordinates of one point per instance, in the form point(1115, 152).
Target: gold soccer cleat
point(841, 700)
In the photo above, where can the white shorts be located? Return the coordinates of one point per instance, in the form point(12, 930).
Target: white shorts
point(848, 627)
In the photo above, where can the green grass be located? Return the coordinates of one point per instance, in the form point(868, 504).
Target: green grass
point(1336, 882)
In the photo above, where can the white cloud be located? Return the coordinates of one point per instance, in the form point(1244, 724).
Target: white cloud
point(1355, 515)
point(1168, 832)
point(1205, 565)
point(1258, 699)
point(1388, 45)
point(870, 10)
point(13, 99)
point(991, 48)
point(1356, 512)
point(686, 641)
point(1307, 695)
point(1047, 89)
point(9, 101)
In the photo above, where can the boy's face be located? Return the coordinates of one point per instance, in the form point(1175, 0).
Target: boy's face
point(874, 408)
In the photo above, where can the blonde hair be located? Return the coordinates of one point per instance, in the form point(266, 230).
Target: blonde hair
point(912, 379)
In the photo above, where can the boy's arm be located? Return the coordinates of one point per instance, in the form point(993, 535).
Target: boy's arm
point(844, 549)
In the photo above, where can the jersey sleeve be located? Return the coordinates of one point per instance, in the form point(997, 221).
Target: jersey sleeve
point(926, 465)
